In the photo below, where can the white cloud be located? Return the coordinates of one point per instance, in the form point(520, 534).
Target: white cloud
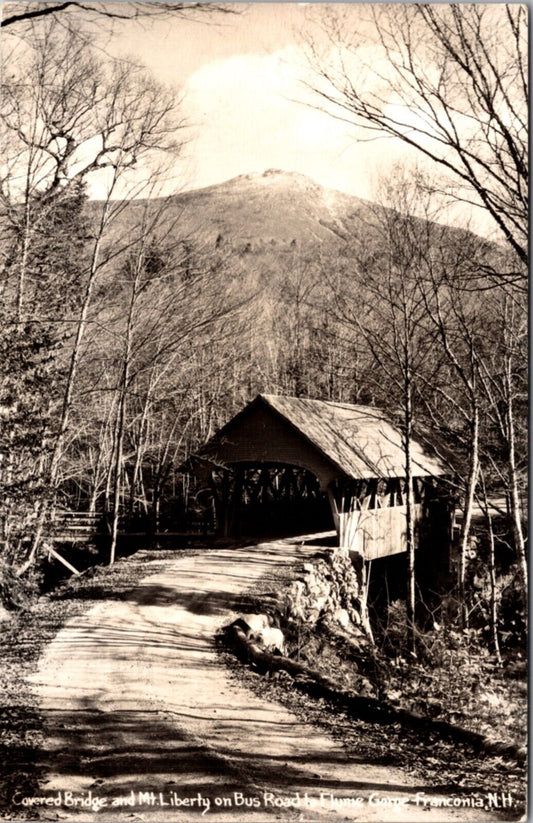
point(246, 73)
point(245, 117)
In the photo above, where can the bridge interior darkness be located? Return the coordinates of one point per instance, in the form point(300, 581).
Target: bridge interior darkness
point(270, 500)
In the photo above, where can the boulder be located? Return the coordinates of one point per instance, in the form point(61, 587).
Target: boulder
point(255, 622)
point(342, 617)
point(271, 639)
point(4, 615)
point(257, 628)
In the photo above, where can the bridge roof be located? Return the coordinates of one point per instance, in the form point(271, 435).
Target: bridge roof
point(357, 442)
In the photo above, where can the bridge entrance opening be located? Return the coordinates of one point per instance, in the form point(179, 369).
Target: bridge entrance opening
point(271, 500)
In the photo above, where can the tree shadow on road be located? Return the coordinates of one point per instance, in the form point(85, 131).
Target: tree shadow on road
point(196, 601)
point(118, 752)
point(20, 761)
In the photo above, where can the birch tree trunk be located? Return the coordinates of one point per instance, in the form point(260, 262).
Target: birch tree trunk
point(411, 571)
point(514, 495)
point(492, 574)
point(123, 387)
point(470, 496)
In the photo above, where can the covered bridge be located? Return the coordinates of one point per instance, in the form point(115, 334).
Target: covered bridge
point(287, 465)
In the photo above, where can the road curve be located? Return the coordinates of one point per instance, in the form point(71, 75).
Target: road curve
point(142, 721)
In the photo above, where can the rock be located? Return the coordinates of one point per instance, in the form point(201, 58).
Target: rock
point(271, 639)
point(329, 590)
point(257, 627)
point(319, 604)
point(283, 675)
point(342, 617)
point(255, 622)
point(4, 615)
point(364, 687)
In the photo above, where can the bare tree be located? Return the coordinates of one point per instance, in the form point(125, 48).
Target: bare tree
point(66, 116)
point(384, 304)
point(157, 315)
point(458, 408)
point(17, 14)
point(479, 408)
point(493, 620)
point(448, 80)
point(504, 382)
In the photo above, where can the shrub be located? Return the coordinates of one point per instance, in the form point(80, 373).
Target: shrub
point(19, 592)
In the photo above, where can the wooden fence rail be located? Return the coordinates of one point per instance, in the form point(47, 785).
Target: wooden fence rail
point(76, 527)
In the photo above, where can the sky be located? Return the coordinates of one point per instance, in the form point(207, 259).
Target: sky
point(241, 80)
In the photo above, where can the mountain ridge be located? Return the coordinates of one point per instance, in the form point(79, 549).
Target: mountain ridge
point(269, 207)
point(267, 214)
point(260, 210)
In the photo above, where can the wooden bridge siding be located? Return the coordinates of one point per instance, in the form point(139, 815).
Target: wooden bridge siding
point(376, 533)
point(266, 438)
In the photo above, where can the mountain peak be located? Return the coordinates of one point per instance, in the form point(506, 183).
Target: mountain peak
point(270, 208)
point(275, 176)
point(290, 175)
point(272, 172)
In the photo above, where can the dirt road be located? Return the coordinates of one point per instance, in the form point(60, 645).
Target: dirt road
point(143, 722)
